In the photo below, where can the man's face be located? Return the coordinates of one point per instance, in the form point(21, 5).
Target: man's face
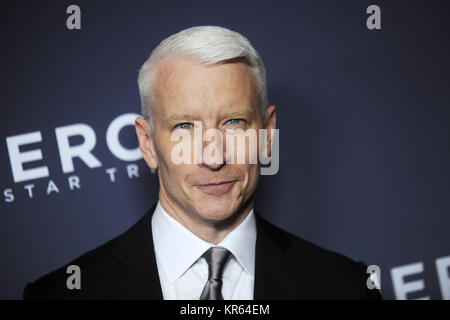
point(222, 96)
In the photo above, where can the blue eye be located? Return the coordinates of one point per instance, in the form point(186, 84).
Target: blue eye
point(184, 125)
point(234, 121)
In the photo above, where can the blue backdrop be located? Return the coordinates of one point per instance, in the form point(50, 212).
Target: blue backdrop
point(363, 118)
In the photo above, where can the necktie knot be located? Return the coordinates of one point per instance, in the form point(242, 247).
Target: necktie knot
point(216, 257)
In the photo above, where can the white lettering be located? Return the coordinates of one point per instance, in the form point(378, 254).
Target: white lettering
point(17, 158)
point(83, 151)
point(402, 288)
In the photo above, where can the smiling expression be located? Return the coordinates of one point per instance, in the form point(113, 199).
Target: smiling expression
point(222, 96)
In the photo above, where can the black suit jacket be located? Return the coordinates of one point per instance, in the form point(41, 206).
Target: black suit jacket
point(286, 267)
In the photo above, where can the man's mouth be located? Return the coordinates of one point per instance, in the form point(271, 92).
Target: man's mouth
point(217, 189)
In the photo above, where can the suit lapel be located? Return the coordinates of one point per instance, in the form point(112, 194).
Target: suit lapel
point(139, 277)
point(277, 272)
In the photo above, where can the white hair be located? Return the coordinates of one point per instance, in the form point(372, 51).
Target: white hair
point(208, 45)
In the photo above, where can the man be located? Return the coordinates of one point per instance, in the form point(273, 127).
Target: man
point(203, 239)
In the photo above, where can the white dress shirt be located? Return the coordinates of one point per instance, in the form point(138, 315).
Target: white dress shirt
point(183, 271)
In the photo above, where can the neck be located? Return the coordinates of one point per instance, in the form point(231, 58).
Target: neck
point(210, 231)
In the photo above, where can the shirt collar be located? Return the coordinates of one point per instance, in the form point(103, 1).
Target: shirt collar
point(177, 248)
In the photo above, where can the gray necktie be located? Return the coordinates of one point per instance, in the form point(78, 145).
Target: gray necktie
point(216, 257)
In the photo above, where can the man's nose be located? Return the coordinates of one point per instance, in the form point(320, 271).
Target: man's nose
point(212, 166)
point(213, 153)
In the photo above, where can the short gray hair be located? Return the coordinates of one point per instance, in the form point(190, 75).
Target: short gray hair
point(208, 45)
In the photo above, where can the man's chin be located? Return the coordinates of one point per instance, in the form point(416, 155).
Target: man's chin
point(215, 213)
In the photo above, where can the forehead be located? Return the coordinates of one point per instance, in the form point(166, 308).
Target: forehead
point(182, 84)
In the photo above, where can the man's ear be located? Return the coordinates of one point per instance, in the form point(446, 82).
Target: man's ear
point(145, 138)
point(270, 123)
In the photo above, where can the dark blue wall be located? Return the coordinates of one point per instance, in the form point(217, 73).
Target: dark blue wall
point(363, 118)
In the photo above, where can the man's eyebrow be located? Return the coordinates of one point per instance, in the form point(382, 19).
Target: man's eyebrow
point(177, 117)
point(237, 114)
point(185, 117)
